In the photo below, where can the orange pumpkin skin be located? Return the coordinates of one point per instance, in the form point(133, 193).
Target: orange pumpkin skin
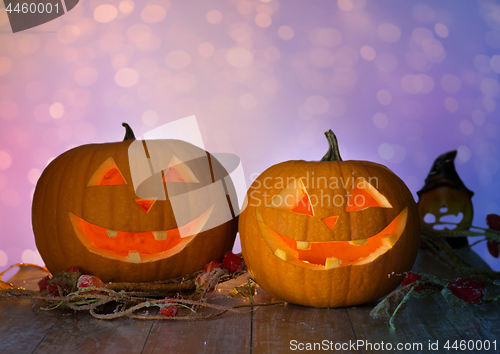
point(63, 190)
point(305, 284)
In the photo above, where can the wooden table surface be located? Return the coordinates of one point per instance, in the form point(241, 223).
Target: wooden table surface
point(273, 329)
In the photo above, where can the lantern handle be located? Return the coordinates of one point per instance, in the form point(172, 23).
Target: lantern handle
point(333, 153)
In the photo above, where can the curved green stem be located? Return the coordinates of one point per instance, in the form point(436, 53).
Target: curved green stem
point(333, 153)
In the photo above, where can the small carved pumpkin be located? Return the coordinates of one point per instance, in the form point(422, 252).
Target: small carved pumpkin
point(329, 233)
point(445, 196)
point(89, 210)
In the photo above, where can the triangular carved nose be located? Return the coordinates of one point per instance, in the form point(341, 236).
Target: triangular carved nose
point(145, 204)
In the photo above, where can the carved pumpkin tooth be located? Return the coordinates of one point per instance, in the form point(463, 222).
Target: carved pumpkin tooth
point(332, 262)
point(112, 233)
point(283, 255)
point(358, 242)
point(160, 235)
point(134, 257)
point(388, 240)
point(303, 245)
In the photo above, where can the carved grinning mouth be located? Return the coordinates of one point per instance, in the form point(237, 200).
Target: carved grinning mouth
point(333, 254)
point(137, 247)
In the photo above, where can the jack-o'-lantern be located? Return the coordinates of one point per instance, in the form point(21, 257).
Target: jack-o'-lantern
point(329, 233)
point(91, 211)
point(445, 198)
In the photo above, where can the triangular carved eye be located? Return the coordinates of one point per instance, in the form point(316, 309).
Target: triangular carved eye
point(177, 171)
point(364, 195)
point(293, 198)
point(107, 174)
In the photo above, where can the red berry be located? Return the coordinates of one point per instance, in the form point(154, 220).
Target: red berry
point(42, 284)
point(411, 278)
point(233, 262)
point(211, 266)
point(493, 221)
point(493, 248)
point(89, 280)
point(470, 290)
point(52, 288)
point(73, 270)
point(170, 310)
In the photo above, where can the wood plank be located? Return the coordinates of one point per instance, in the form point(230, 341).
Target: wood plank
point(227, 333)
point(471, 323)
point(81, 333)
point(428, 320)
point(282, 328)
point(22, 329)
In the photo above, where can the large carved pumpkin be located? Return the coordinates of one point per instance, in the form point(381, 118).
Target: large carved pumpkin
point(329, 233)
point(134, 210)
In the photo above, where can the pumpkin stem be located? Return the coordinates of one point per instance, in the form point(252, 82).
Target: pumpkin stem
point(129, 134)
point(333, 153)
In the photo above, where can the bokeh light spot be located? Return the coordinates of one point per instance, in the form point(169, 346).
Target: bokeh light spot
point(386, 151)
point(86, 76)
point(380, 120)
point(139, 32)
point(68, 34)
point(239, 57)
point(184, 81)
point(29, 44)
point(214, 17)
point(178, 59)
point(328, 37)
point(33, 257)
point(5, 65)
point(4, 259)
point(441, 30)
point(386, 62)
point(126, 6)
point(384, 97)
point(10, 198)
point(5, 160)
point(317, 104)
point(126, 77)
point(153, 14)
point(494, 63)
point(35, 90)
point(105, 13)
point(367, 53)
point(206, 49)
point(321, 57)
point(451, 83)
point(482, 63)
point(56, 110)
point(463, 154)
point(248, 101)
point(345, 5)
point(285, 32)
point(8, 109)
point(263, 20)
point(389, 32)
point(490, 87)
point(150, 118)
point(451, 104)
point(466, 127)
point(33, 175)
point(478, 117)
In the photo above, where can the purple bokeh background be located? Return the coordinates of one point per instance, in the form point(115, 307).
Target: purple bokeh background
point(400, 82)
